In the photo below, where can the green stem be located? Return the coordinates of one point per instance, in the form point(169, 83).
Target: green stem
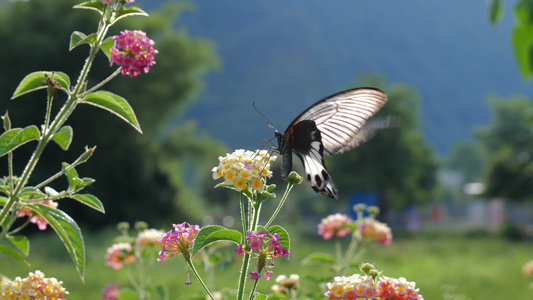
point(101, 83)
point(60, 119)
point(243, 218)
point(281, 202)
point(253, 289)
point(191, 265)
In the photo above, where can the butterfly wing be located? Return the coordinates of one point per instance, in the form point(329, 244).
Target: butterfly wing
point(303, 138)
point(340, 118)
point(332, 125)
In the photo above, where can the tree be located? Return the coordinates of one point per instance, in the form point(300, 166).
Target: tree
point(132, 179)
point(508, 139)
point(397, 163)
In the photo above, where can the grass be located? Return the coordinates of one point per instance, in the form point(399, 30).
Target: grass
point(477, 268)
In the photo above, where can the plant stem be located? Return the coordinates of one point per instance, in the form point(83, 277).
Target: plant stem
point(281, 202)
point(191, 265)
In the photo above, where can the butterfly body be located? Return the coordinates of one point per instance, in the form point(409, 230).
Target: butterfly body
point(332, 125)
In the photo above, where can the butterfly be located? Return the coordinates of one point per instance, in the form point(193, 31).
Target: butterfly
point(332, 125)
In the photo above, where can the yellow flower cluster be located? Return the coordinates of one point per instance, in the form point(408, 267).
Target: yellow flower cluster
point(33, 287)
point(242, 168)
point(352, 287)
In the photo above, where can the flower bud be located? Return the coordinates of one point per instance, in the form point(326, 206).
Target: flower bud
point(359, 207)
point(294, 178)
point(123, 226)
point(367, 267)
point(140, 225)
point(373, 210)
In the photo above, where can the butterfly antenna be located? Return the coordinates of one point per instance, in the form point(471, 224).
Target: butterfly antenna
point(269, 124)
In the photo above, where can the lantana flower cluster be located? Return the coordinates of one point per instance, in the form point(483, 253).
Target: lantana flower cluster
point(338, 225)
point(35, 218)
point(133, 51)
point(35, 286)
point(118, 255)
point(245, 168)
point(285, 284)
point(375, 230)
point(266, 246)
point(364, 287)
point(181, 240)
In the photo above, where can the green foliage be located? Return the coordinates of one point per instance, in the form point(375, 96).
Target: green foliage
point(160, 171)
point(397, 162)
point(522, 37)
point(508, 139)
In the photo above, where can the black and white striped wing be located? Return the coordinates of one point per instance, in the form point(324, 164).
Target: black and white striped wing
point(341, 117)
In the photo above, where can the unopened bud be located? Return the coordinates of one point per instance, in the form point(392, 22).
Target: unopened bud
point(294, 178)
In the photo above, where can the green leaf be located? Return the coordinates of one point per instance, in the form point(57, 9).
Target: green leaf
point(68, 231)
point(63, 137)
point(127, 294)
point(523, 45)
point(496, 10)
point(106, 46)
point(34, 81)
point(128, 12)
point(212, 234)
point(283, 235)
point(16, 137)
point(21, 242)
point(74, 181)
point(319, 257)
point(114, 104)
point(92, 5)
point(89, 200)
point(13, 253)
point(77, 38)
point(31, 192)
point(258, 296)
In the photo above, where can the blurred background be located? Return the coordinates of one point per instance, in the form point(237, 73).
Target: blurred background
point(457, 74)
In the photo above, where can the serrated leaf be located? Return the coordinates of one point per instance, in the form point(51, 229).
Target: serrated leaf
point(114, 104)
point(77, 38)
point(68, 231)
point(284, 238)
point(13, 253)
point(89, 200)
point(31, 193)
point(34, 81)
point(63, 137)
point(106, 46)
point(16, 137)
point(128, 12)
point(212, 234)
point(21, 243)
point(319, 257)
point(92, 5)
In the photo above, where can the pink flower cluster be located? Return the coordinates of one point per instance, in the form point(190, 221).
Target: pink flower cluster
point(111, 291)
point(338, 225)
point(375, 230)
point(178, 241)
point(134, 52)
point(364, 287)
point(37, 219)
point(267, 246)
point(118, 255)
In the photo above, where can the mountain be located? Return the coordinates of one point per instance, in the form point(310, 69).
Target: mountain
point(285, 55)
